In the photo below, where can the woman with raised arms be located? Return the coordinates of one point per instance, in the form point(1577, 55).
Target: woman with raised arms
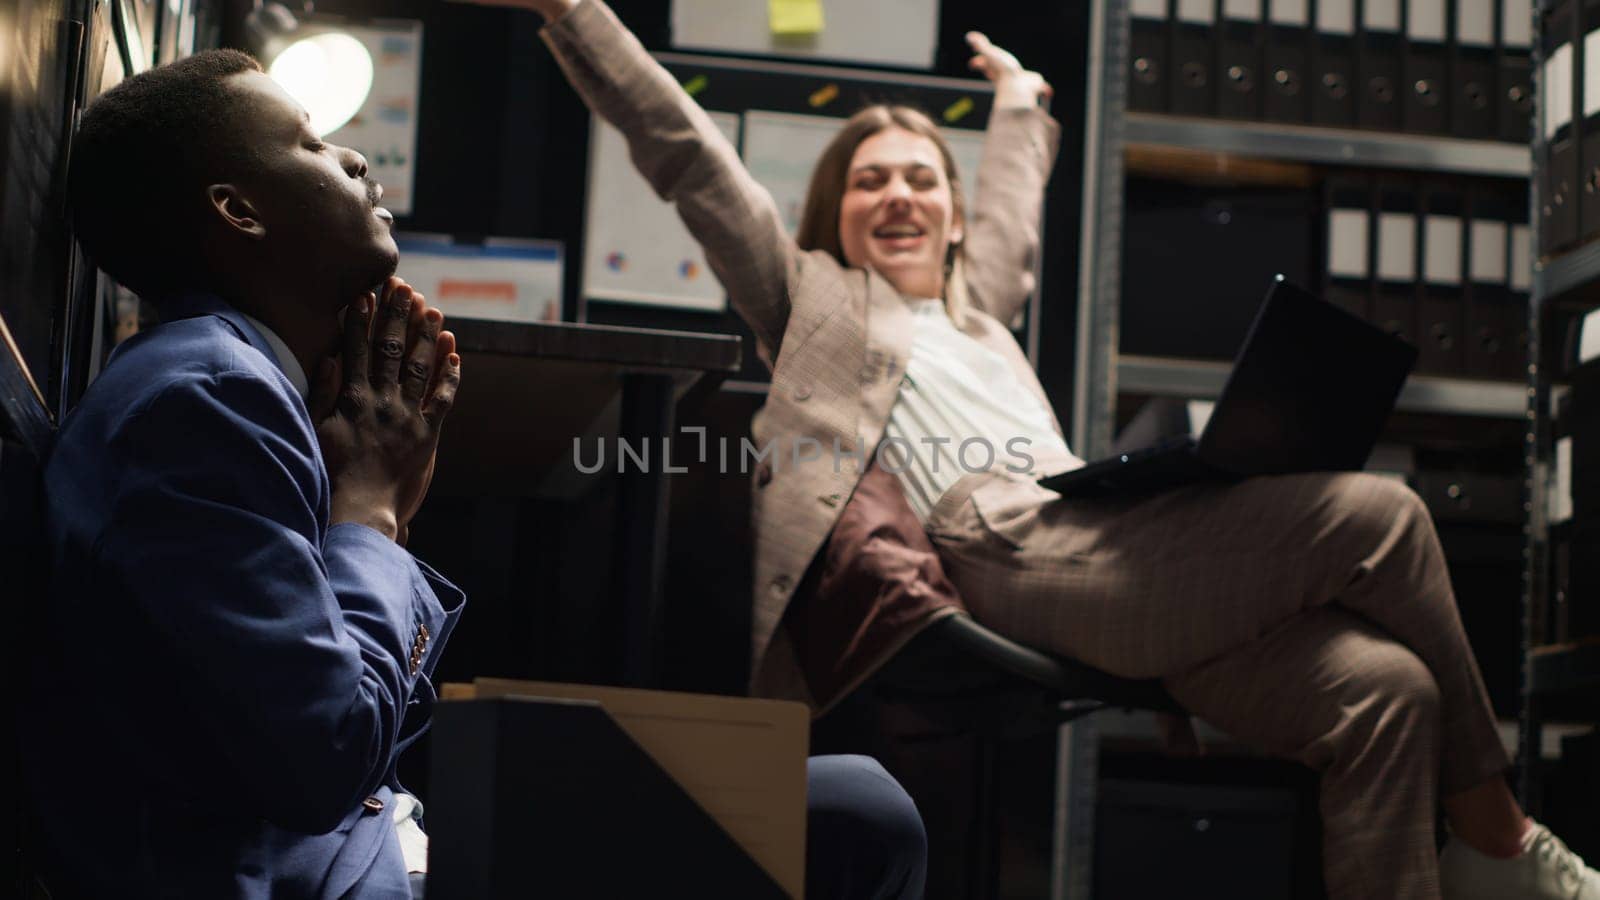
point(1310, 615)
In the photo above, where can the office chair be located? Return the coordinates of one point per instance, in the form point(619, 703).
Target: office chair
point(959, 680)
point(879, 585)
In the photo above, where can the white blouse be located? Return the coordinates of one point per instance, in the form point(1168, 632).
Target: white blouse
point(960, 409)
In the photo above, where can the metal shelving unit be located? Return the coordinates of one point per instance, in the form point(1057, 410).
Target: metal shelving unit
point(1560, 681)
point(1203, 380)
point(1103, 372)
point(1566, 669)
point(1110, 132)
point(1094, 396)
point(1328, 146)
point(1577, 272)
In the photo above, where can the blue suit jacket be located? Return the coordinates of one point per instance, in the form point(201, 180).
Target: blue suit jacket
point(221, 679)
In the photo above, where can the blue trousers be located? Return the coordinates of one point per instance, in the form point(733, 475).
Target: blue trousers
point(864, 837)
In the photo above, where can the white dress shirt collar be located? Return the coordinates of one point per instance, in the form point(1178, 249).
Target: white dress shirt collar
point(286, 359)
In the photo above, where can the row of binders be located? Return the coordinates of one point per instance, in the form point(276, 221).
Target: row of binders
point(1447, 67)
point(1574, 501)
point(1568, 145)
point(1445, 264)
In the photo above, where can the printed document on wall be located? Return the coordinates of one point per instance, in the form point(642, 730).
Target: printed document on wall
point(385, 129)
point(879, 32)
point(504, 279)
point(635, 248)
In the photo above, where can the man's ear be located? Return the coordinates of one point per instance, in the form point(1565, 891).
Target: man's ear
point(235, 210)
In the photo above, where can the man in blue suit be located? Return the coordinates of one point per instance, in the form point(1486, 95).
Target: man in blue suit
point(236, 647)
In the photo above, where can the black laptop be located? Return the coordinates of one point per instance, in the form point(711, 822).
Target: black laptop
point(1309, 392)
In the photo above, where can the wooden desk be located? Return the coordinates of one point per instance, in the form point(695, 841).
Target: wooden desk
point(529, 390)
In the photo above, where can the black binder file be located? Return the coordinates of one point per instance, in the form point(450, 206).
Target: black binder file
point(1558, 147)
point(1378, 62)
point(1333, 66)
point(1394, 305)
point(1440, 313)
point(1349, 233)
point(1589, 124)
point(1288, 53)
point(1423, 101)
point(1515, 81)
point(1193, 58)
point(1472, 70)
point(1487, 292)
point(1239, 60)
point(1147, 75)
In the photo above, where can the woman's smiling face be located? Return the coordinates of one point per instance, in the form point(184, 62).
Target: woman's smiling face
point(898, 216)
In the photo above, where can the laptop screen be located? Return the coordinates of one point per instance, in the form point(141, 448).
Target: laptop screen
point(1310, 390)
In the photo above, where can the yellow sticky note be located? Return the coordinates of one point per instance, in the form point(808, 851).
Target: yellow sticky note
point(958, 110)
point(792, 17)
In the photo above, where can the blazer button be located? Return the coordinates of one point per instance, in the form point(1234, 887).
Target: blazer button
point(802, 393)
point(780, 585)
point(373, 805)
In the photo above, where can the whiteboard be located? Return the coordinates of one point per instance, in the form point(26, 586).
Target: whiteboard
point(635, 248)
point(780, 150)
point(877, 32)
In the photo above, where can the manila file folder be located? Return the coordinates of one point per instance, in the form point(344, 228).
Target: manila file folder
point(742, 760)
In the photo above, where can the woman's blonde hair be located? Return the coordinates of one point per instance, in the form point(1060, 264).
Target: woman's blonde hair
point(819, 220)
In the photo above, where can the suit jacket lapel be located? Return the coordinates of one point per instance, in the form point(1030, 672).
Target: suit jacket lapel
point(890, 334)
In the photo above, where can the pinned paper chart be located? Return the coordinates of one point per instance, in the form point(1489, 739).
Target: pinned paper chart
point(900, 33)
point(503, 279)
point(781, 149)
point(385, 128)
point(635, 248)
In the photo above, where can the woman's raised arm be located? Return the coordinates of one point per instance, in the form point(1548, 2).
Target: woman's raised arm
point(683, 156)
point(1002, 243)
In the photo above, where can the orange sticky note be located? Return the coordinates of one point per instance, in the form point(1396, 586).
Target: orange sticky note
point(794, 17)
point(824, 95)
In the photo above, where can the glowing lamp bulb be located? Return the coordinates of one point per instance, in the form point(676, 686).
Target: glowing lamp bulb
point(329, 74)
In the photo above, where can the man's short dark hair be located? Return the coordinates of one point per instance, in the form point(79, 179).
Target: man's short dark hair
point(142, 152)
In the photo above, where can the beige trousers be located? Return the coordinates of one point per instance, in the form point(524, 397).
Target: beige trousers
point(1309, 615)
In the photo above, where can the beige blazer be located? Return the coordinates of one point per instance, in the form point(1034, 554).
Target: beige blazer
point(837, 338)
